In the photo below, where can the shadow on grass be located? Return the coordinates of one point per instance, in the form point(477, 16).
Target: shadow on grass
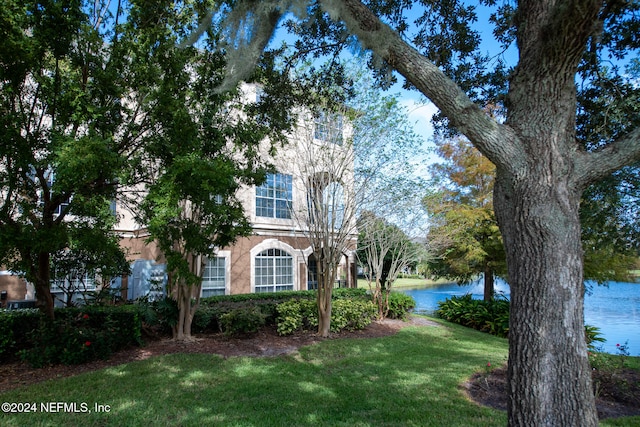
point(410, 379)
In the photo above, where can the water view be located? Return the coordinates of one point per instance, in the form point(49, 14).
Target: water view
point(615, 308)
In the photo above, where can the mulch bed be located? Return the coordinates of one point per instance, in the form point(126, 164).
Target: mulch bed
point(619, 399)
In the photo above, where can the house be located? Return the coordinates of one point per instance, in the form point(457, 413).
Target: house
point(278, 255)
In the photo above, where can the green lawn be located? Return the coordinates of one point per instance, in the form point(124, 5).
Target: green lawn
point(408, 283)
point(409, 379)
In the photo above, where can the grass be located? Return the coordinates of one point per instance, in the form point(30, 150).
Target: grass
point(409, 379)
point(408, 283)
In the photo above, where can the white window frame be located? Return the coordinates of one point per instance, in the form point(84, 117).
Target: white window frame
point(207, 285)
point(328, 127)
point(273, 271)
point(274, 198)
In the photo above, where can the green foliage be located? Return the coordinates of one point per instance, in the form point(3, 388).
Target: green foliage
point(14, 327)
point(348, 293)
point(161, 314)
point(346, 313)
point(295, 315)
point(243, 320)
point(284, 296)
point(352, 314)
point(400, 305)
point(58, 173)
point(592, 335)
point(78, 335)
point(266, 296)
point(487, 316)
point(464, 235)
point(492, 317)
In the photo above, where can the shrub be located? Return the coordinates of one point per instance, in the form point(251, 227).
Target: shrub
point(348, 293)
point(400, 305)
point(242, 320)
point(79, 335)
point(350, 314)
point(295, 315)
point(205, 319)
point(15, 325)
point(487, 316)
point(490, 316)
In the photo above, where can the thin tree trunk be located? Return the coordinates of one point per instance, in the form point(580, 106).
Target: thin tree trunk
point(489, 284)
point(324, 306)
point(44, 299)
point(185, 313)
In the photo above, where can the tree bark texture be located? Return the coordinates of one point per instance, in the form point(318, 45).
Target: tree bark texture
point(42, 285)
point(326, 276)
point(541, 173)
point(549, 374)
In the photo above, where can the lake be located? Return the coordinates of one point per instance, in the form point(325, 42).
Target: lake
point(615, 308)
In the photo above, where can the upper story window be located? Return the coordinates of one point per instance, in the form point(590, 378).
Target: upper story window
point(274, 197)
point(328, 127)
point(49, 176)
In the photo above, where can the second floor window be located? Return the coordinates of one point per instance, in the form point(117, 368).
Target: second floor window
point(328, 127)
point(274, 197)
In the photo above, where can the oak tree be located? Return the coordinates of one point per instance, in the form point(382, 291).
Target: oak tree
point(541, 168)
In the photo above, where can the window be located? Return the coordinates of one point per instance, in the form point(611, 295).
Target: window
point(76, 281)
point(274, 197)
point(214, 277)
point(333, 199)
point(49, 175)
point(328, 127)
point(273, 271)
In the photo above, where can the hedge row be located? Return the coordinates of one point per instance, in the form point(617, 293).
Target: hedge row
point(349, 314)
point(77, 335)
point(82, 334)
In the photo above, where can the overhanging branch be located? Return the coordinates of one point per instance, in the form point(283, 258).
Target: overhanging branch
point(496, 141)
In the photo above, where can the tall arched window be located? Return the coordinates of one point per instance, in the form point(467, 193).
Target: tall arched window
point(273, 271)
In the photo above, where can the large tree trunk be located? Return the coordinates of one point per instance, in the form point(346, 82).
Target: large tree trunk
point(549, 373)
point(541, 172)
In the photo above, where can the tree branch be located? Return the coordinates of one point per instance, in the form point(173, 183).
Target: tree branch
point(494, 140)
point(596, 165)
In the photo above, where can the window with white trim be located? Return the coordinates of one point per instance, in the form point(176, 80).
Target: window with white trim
point(274, 197)
point(214, 277)
point(273, 271)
